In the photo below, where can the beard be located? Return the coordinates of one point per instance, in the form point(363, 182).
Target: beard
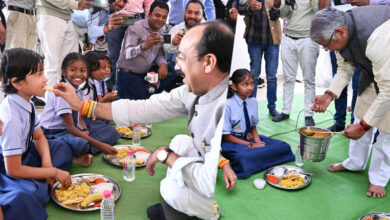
point(190, 25)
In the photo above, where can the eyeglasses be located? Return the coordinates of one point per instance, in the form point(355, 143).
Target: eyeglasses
point(180, 58)
point(325, 47)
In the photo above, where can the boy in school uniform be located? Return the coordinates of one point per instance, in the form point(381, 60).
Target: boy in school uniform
point(26, 157)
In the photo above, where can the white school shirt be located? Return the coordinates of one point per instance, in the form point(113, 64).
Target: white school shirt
point(15, 113)
point(234, 114)
point(54, 108)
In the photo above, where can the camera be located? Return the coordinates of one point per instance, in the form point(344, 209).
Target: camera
point(167, 38)
point(153, 83)
point(128, 19)
point(274, 14)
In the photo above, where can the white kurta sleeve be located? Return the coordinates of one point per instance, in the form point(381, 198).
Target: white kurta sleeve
point(378, 51)
point(197, 175)
point(345, 71)
point(158, 107)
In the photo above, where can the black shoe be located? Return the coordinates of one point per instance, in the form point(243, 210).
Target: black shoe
point(260, 83)
point(273, 112)
point(163, 211)
point(309, 121)
point(156, 212)
point(37, 101)
point(280, 117)
point(336, 127)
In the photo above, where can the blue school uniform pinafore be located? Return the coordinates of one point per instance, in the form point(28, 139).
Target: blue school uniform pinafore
point(243, 160)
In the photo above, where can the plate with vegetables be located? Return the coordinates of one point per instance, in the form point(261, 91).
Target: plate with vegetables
point(287, 177)
point(142, 155)
point(376, 216)
point(127, 132)
point(86, 192)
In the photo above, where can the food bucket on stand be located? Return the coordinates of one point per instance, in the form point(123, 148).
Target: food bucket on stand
point(314, 146)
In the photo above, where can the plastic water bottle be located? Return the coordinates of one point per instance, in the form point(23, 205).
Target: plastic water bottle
point(136, 135)
point(129, 166)
point(107, 209)
point(298, 157)
point(148, 124)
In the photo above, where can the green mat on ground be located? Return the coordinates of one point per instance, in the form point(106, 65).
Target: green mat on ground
point(135, 196)
point(333, 196)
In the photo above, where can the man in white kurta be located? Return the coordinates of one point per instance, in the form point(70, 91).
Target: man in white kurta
point(371, 111)
point(204, 57)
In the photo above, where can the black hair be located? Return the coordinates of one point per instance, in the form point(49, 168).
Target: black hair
point(160, 4)
point(238, 76)
point(106, 58)
point(98, 9)
point(201, 4)
point(196, 2)
point(17, 62)
point(69, 59)
point(217, 39)
point(93, 59)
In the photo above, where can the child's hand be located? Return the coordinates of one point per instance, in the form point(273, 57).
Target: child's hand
point(110, 96)
point(86, 132)
point(107, 149)
point(256, 145)
point(64, 178)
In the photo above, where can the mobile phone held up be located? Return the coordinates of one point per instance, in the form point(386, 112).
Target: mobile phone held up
point(166, 38)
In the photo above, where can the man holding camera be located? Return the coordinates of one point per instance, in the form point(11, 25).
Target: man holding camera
point(193, 15)
point(103, 21)
point(141, 49)
point(263, 36)
point(297, 47)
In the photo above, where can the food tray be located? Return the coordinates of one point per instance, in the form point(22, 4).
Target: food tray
point(112, 159)
point(148, 132)
point(286, 170)
point(78, 179)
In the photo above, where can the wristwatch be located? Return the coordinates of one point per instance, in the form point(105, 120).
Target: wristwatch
point(162, 155)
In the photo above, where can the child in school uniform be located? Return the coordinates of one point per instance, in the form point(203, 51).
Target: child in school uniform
point(248, 151)
point(60, 122)
point(28, 161)
point(99, 69)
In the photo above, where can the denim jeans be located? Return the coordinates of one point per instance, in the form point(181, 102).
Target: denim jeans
point(172, 73)
point(114, 39)
point(341, 102)
point(132, 86)
point(271, 57)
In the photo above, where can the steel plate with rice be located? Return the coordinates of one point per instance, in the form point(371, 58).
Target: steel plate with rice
point(127, 132)
point(142, 155)
point(287, 177)
point(86, 192)
point(376, 216)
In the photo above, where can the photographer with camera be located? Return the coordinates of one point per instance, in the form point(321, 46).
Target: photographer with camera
point(263, 35)
point(103, 20)
point(193, 15)
point(297, 47)
point(142, 49)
